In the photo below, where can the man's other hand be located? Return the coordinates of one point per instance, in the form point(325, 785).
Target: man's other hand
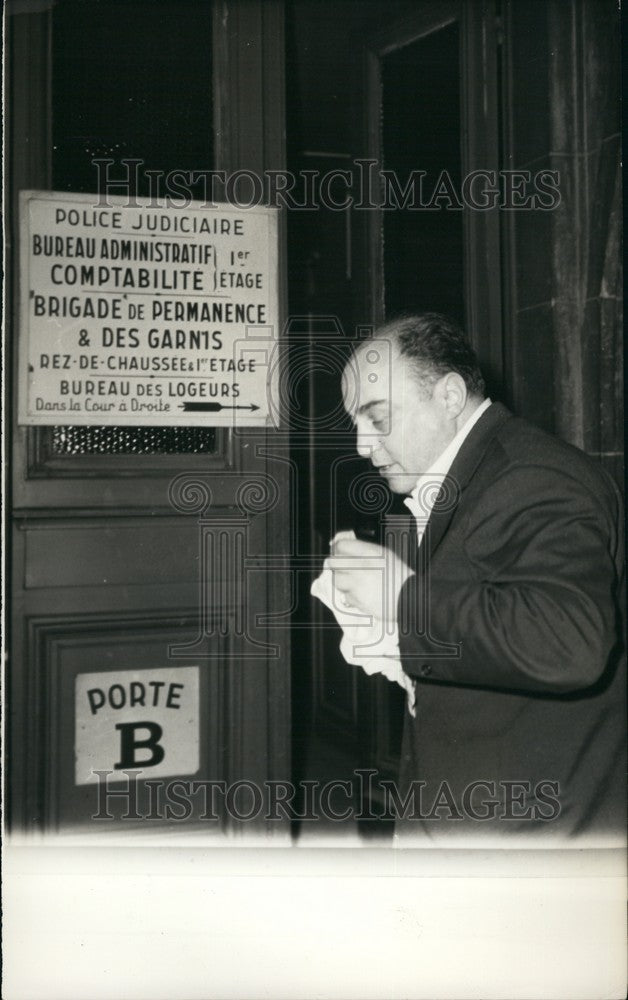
point(369, 576)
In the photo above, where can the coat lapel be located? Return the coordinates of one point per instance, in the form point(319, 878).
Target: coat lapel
point(463, 468)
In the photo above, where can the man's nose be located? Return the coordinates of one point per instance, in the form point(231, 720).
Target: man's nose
point(365, 443)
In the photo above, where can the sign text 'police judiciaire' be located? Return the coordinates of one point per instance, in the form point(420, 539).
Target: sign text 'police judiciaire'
point(145, 314)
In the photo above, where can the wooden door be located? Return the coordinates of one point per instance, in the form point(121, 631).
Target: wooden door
point(152, 557)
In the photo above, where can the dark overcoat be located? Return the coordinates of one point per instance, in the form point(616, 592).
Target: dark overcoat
point(512, 629)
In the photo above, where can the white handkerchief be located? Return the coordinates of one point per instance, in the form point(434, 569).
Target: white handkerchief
point(365, 641)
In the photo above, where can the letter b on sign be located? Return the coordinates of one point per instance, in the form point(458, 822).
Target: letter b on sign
point(146, 718)
point(129, 743)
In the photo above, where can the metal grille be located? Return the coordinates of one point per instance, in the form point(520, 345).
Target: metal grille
point(133, 440)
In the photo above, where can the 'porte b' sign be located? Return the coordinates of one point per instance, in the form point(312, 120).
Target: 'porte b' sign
point(146, 313)
point(139, 720)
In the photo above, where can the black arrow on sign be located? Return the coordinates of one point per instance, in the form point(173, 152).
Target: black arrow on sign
point(213, 407)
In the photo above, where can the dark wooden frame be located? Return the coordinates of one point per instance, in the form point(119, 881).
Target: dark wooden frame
point(479, 38)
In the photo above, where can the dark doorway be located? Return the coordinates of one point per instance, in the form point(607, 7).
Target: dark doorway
point(342, 718)
point(423, 245)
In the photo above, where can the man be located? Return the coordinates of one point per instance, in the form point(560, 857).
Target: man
point(507, 615)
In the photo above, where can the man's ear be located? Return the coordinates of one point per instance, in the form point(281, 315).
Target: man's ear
point(454, 394)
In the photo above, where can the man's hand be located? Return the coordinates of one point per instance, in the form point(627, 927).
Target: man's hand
point(369, 576)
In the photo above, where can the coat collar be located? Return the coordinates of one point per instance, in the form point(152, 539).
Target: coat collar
point(462, 469)
point(475, 444)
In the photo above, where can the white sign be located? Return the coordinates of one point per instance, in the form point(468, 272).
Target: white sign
point(146, 720)
point(147, 315)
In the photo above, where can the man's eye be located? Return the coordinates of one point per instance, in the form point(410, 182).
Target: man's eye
point(379, 425)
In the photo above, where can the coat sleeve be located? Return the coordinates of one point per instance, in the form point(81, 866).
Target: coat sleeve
point(526, 590)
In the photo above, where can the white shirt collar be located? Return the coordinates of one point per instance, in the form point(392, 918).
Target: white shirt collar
point(443, 463)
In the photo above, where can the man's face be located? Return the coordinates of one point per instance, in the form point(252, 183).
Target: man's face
point(399, 427)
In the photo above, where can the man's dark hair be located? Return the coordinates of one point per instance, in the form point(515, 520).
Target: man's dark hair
point(436, 345)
